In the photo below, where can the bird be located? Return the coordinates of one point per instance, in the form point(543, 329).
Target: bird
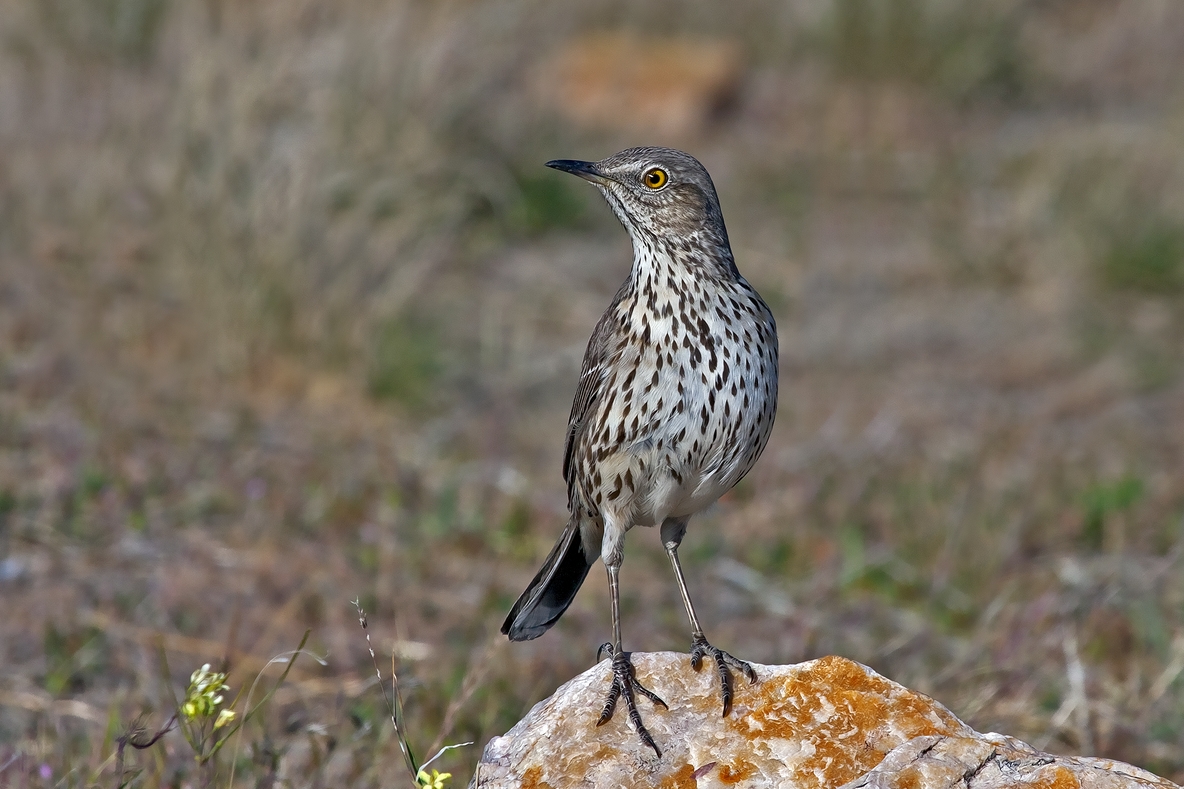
point(676, 400)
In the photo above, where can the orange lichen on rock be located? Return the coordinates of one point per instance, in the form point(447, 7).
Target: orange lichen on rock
point(1056, 778)
point(739, 770)
point(842, 718)
point(683, 778)
point(532, 779)
point(909, 778)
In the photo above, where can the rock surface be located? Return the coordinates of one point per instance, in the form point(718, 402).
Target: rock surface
point(825, 723)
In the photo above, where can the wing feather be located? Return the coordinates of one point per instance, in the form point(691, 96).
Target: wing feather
point(593, 375)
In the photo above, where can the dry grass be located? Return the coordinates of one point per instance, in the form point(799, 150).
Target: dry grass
point(290, 314)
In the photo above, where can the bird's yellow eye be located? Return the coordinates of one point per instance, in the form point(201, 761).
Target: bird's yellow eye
point(655, 178)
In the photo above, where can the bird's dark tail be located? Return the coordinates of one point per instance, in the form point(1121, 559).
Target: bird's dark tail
point(553, 588)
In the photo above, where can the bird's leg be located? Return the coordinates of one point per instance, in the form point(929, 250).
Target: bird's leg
point(625, 683)
point(672, 534)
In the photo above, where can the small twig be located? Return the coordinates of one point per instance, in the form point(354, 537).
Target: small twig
point(1076, 674)
point(443, 751)
point(11, 759)
point(1170, 672)
point(132, 738)
point(395, 706)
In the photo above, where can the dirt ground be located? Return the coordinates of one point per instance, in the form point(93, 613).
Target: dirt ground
point(291, 315)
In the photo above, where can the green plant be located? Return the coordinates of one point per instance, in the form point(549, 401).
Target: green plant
point(206, 720)
point(203, 713)
point(1104, 500)
point(1144, 254)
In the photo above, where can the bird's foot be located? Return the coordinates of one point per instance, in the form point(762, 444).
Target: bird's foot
point(624, 686)
point(724, 663)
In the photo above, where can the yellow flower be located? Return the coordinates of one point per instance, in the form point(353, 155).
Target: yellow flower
point(204, 694)
point(224, 717)
point(437, 780)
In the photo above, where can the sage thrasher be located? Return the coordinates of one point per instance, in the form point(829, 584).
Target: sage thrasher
point(675, 402)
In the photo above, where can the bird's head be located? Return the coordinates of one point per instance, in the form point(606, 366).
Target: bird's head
point(657, 192)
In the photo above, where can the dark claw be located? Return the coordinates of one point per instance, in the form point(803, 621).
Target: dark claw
point(624, 686)
point(701, 649)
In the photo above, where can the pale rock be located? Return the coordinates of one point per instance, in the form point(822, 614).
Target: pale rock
point(829, 722)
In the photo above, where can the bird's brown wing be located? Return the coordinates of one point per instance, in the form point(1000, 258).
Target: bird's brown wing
point(593, 374)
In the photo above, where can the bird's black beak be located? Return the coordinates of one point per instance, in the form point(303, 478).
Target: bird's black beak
point(585, 170)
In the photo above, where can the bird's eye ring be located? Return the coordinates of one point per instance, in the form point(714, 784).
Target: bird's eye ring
point(655, 178)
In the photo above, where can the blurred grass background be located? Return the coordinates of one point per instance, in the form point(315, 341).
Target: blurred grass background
point(291, 313)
